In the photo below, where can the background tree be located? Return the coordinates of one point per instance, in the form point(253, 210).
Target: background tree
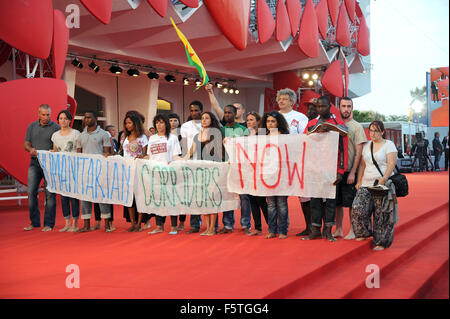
point(367, 116)
point(396, 118)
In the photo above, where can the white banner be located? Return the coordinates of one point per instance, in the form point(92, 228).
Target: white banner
point(89, 177)
point(183, 187)
point(284, 165)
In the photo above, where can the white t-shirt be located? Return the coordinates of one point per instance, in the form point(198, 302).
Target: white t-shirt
point(296, 121)
point(162, 149)
point(188, 130)
point(67, 143)
point(371, 173)
point(134, 148)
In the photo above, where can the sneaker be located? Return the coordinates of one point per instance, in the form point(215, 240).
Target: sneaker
point(47, 228)
point(31, 227)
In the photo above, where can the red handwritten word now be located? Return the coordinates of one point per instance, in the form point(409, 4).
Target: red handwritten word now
point(254, 162)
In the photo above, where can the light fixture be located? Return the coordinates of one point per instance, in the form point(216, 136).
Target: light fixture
point(225, 90)
point(115, 69)
point(310, 82)
point(133, 72)
point(305, 76)
point(218, 85)
point(231, 91)
point(186, 81)
point(315, 76)
point(236, 91)
point(153, 75)
point(170, 78)
point(94, 66)
point(77, 63)
point(198, 82)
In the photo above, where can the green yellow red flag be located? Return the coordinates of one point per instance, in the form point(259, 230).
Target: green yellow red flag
point(192, 57)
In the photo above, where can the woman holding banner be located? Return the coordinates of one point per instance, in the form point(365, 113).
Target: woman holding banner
point(207, 145)
point(163, 147)
point(277, 206)
point(65, 140)
point(257, 203)
point(135, 146)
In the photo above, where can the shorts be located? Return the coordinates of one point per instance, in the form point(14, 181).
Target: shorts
point(345, 193)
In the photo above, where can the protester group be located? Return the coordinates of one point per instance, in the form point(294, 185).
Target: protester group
point(371, 214)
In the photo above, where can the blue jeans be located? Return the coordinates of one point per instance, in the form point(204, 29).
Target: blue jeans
point(437, 158)
point(246, 220)
point(35, 176)
point(277, 208)
point(66, 203)
point(228, 219)
point(86, 210)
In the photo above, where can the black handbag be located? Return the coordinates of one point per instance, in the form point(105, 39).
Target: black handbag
point(399, 180)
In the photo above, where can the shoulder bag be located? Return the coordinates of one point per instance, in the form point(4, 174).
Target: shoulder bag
point(399, 180)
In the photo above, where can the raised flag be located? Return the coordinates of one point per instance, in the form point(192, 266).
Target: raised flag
point(192, 57)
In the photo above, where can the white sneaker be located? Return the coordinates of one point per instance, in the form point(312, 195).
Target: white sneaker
point(47, 228)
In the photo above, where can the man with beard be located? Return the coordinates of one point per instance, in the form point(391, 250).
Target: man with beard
point(323, 107)
point(345, 190)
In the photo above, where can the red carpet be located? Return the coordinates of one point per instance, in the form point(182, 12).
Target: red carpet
point(138, 265)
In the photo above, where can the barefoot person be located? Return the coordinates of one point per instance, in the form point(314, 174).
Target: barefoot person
point(384, 208)
point(134, 146)
point(94, 140)
point(258, 204)
point(65, 140)
point(345, 190)
point(277, 206)
point(163, 147)
point(297, 121)
point(207, 145)
point(38, 137)
point(317, 204)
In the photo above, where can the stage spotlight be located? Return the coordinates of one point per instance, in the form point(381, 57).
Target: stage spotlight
point(115, 69)
point(186, 81)
point(94, 66)
point(236, 91)
point(170, 78)
point(153, 75)
point(225, 90)
point(219, 85)
point(231, 91)
point(305, 76)
point(133, 72)
point(77, 63)
point(198, 82)
point(310, 83)
point(315, 76)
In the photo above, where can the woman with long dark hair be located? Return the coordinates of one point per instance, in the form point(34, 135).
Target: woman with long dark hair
point(208, 145)
point(65, 140)
point(257, 203)
point(134, 146)
point(277, 206)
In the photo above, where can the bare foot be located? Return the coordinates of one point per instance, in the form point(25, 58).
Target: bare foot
point(338, 233)
point(350, 236)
